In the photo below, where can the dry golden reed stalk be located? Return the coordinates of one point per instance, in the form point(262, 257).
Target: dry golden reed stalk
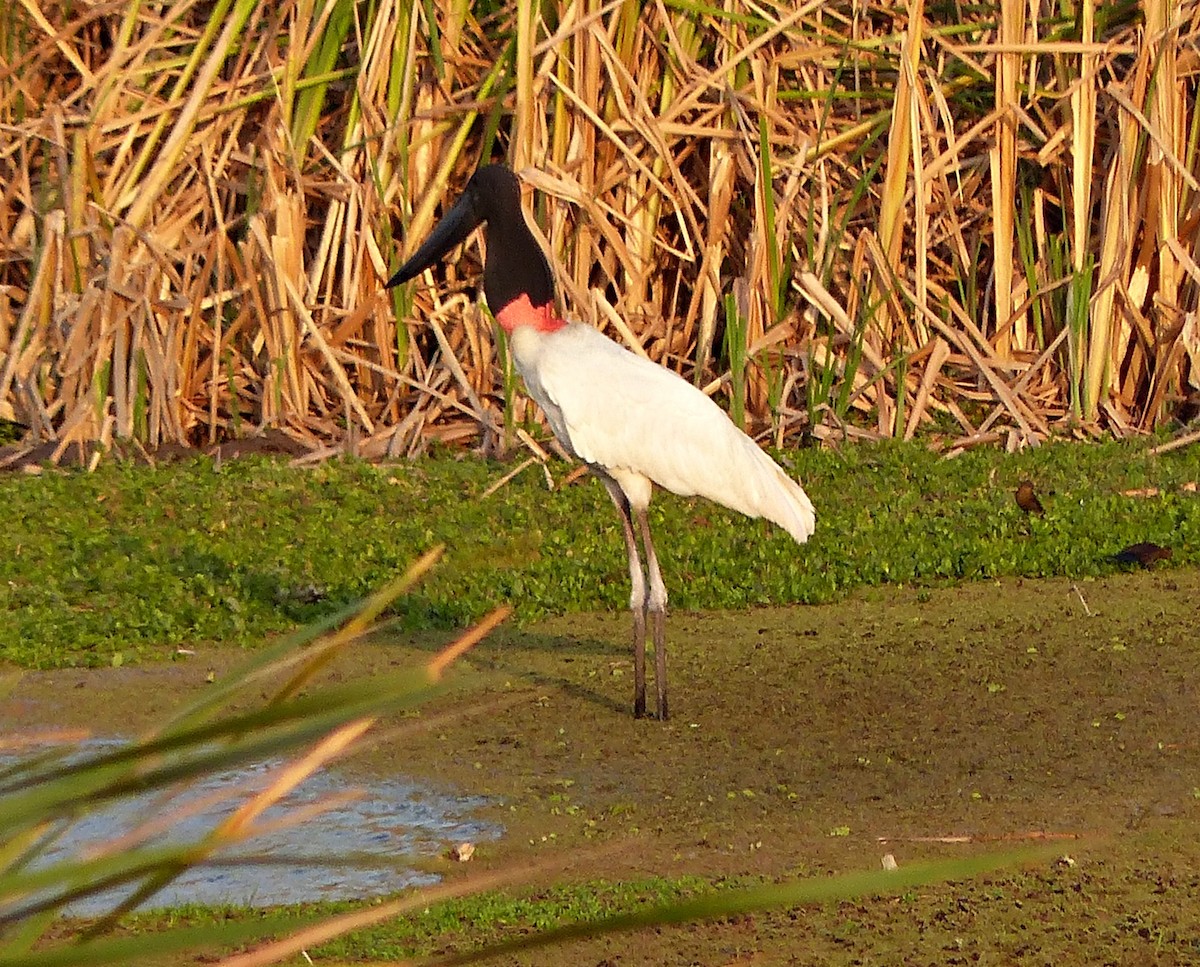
point(968, 226)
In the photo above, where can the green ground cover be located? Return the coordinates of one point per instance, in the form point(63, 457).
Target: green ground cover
point(131, 562)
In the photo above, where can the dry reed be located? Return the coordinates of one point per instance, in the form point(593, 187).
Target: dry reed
point(855, 221)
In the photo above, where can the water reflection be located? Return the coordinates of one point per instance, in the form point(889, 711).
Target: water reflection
point(386, 821)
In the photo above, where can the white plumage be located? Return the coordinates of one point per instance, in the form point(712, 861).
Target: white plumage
point(636, 419)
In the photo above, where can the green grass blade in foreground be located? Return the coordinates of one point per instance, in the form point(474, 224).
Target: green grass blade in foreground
point(354, 619)
point(133, 949)
point(70, 881)
point(1079, 349)
point(242, 824)
point(94, 876)
point(324, 723)
point(187, 755)
point(762, 898)
point(74, 788)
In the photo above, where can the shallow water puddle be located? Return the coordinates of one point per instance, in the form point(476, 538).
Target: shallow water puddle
point(378, 822)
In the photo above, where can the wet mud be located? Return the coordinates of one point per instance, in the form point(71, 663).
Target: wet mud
point(921, 723)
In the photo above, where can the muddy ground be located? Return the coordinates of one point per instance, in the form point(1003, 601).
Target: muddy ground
point(811, 740)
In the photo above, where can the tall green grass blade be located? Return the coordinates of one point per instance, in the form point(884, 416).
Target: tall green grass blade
point(508, 383)
point(310, 101)
point(139, 947)
point(735, 353)
point(141, 397)
point(775, 370)
point(1079, 296)
point(860, 190)
point(762, 898)
point(774, 287)
point(149, 189)
point(435, 39)
point(708, 11)
point(1027, 253)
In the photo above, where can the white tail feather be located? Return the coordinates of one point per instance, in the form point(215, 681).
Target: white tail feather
point(766, 491)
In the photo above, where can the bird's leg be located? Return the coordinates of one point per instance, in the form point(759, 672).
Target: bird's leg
point(656, 605)
point(637, 597)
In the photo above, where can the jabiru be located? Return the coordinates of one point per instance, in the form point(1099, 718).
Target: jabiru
point(633, 422)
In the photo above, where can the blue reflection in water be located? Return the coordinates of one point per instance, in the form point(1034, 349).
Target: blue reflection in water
point(391, 819)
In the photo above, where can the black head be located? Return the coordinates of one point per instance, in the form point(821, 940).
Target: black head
point(515, 263)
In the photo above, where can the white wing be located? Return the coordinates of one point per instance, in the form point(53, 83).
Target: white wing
point(626, 414)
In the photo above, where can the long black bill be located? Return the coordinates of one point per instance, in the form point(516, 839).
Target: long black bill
point(454, 227)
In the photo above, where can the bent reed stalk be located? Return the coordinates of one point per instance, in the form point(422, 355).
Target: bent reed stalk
point(848, 221)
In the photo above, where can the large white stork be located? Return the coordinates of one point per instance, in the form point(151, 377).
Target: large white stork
point(633, 422)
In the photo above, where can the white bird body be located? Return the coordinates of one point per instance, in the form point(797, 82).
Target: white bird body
point(634, 422)
point(642, 423)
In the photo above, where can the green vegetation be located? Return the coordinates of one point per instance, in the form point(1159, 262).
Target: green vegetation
point(987, 916)
point(131, 562)
point(468, 922)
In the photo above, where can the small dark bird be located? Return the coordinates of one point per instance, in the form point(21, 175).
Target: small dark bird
point(1144, 554)
point(1027, 500)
